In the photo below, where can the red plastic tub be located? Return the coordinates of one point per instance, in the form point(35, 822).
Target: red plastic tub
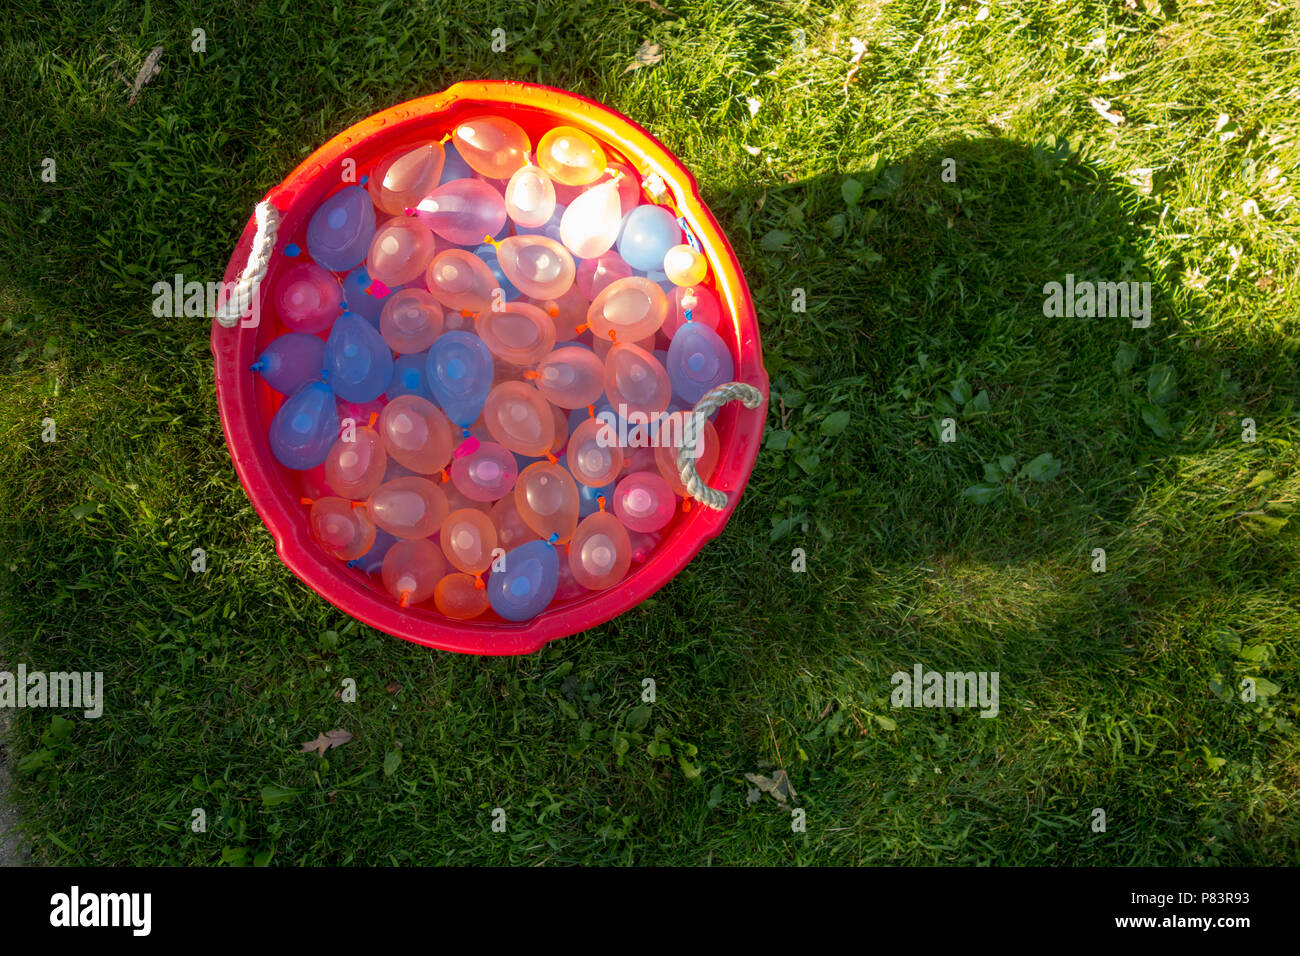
point(247, 404)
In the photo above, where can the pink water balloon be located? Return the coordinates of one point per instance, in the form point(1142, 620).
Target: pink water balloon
point(569, 377)
point(416, 433)
point(537, 266)
point(467, 538)
point(405, 176)
point(461, 281)
point(635, 381)
point(408, 507)
point(590, 224)
point(411, 321)
point(493, 146)
point(629, 190)
point(570, 156)
point(486, 474)
point(530, 197)
point(308, 298)
point(631, 308)
point(644, 502)
point(699, 301)
point(463, 211)
point(411, 570)
point(520, 334)
point(518, 417)
point(343, 528)
point(600, 551)
point(547, 499)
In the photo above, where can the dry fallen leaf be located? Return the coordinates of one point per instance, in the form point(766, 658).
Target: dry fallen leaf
point(392, 687)
point(1104, 111)
point(752, 150)
point(648, 54)
point(327, 740)
point(777, 785)
point(754, 103)
point(654, 6)
point(1140, 178)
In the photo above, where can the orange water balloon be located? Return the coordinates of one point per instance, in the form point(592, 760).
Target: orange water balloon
point(570, 377)
point(570, 156)
point(410, 321)
point(343, 530)
point(590, 224)
point(492, 145)
point(593, 453)
point(356, 468)
point(635, 381)
point(567, 311)
point(416, 434)
point(519, 418)
point(520, 334)
point(412, 569)
point(547, 499)
point(512, 530)
point(537, 266)
point(460, 597)
point(602, 346)
point(408, 507)
point(685, 266)
point(405, 176)
point(400, 250)
point(530, 197)
point(461, 280)
point(600, 552)
point(631, 308)
point(467, 538)
point(705, 461)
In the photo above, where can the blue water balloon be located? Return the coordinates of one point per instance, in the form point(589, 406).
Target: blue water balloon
point(409, 377)
point(339, 233)
point(372, 562)
point(358, 362)
point(291, 361)
point(527, 585)
point(698, 360)
point(305, 428)
point(368, 305)
point(648, 233)
point(459, 372)
point(453, 165)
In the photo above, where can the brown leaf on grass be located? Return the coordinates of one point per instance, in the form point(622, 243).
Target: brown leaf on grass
point(1105, 112)
point(392, 687)
point(327, 740)
point(647, 54)
point(777, 786)
point(655, 6)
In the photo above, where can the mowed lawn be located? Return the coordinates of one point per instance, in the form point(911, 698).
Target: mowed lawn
point(914, 173)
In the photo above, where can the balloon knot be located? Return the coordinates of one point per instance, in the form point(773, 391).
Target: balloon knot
point(406, 599)
point(478, 582)
point(581, 328)
point(531, 374)
point(374, 417)
point(552, 459)
point(306, 501)
point(490, 241)
point(553, 312)
point(467, 447)
point(555, 536)
point(257, 366)
point(601, 501)
point(689, 317)
point(591, 411)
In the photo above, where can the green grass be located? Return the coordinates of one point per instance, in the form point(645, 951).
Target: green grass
point(924, 302)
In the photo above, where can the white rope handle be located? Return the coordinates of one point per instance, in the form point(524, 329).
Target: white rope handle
point(259, 260)
point(694, 430)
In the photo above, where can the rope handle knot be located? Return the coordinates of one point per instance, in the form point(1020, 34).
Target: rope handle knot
point(693, 433)
point(259, 261)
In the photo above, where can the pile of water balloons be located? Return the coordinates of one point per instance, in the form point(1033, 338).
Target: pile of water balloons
point(492, 349)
